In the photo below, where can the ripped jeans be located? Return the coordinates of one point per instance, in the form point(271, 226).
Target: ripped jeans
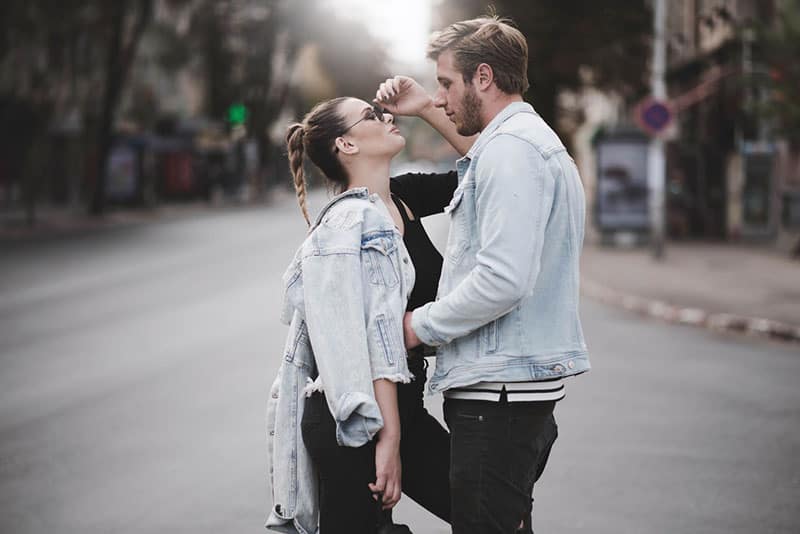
point(498, 451)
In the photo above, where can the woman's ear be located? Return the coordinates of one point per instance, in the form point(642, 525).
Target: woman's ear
point(345, 146)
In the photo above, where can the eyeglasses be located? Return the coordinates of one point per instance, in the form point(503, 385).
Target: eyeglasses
point(374, 113)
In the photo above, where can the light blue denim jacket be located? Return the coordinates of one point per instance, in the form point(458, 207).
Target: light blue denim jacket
point(507, 305)
point(345, 293)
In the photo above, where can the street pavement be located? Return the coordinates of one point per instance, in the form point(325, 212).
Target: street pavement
point(135, 363)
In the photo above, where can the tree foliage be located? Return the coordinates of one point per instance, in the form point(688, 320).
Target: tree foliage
point(609, 40)
point(781, 50)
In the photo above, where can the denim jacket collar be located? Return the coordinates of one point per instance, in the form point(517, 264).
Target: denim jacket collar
point(507, 112)
point(358, 192)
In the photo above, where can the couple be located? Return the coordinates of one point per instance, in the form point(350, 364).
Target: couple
point(347, 427)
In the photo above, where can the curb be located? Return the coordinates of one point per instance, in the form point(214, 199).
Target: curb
point(719, 322)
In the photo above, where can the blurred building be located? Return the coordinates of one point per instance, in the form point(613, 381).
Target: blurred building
point(729, 174)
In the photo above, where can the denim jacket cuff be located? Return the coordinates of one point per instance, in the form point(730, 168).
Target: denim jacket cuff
point(358, 419)
point(421, 324)
point(402, 378)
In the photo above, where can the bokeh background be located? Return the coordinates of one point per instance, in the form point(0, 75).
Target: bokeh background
point(147, 215)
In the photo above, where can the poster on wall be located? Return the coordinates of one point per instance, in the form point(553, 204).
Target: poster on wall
point(122, 173)
point(622, 193)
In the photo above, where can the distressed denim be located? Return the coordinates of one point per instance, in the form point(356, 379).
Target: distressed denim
point(507, 303)
point(345, 292)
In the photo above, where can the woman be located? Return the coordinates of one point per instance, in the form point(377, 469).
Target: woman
point(346, 291)
point(425, 444)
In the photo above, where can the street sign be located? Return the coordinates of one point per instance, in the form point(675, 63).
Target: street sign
point(653, 116)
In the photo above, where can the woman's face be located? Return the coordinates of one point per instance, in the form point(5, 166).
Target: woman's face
point(369, 133)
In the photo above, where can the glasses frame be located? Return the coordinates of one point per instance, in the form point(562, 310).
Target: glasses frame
point(377, 114)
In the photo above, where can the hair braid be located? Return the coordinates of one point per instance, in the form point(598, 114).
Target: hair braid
point(294, 141)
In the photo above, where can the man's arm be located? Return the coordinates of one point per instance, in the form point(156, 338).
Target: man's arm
point(514, 196)
point(402, 95)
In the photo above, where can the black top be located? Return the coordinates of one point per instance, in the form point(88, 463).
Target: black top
point(424, 194)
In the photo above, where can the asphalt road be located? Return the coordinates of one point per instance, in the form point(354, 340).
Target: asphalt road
point(135, 362)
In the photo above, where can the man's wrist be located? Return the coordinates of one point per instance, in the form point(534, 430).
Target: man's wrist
point(427, 113)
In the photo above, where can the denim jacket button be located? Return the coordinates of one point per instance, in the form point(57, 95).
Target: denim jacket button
point(271, 432)
point(558, 368)
point(274, 395)
point(405, 260)
point(571, 364)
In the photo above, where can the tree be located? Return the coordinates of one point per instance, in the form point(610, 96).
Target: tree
point(608, 39)
point(49, 49)
point(781, 50)
point(127, 21)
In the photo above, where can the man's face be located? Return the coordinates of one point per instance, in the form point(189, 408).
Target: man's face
point(460, 100)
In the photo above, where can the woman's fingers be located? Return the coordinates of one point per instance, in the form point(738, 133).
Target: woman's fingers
point(379, 486)
point(392, 495)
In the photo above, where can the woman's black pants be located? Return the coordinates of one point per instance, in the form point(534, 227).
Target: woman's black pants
point(346, 503)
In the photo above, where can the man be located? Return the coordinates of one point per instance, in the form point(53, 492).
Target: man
point(506, 318)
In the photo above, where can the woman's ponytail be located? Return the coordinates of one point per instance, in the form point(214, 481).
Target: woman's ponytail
point(294, 142)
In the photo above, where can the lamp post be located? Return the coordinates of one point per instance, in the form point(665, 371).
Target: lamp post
point(656, 160)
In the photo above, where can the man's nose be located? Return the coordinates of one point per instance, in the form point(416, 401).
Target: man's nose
point(439, 100)
point(388, 117)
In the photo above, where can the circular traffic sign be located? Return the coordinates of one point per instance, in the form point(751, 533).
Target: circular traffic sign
point(653, 116)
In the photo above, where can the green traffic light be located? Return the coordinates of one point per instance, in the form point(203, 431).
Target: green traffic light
point(237, 114)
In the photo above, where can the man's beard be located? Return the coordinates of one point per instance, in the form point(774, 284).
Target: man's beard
point(470, 113)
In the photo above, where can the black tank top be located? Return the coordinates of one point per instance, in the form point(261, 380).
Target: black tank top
point(424, 194)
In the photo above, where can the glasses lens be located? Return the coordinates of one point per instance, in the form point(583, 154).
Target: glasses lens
point(376, 109)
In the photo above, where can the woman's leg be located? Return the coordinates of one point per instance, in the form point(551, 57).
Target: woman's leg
point(424, 447)
point(345, 501)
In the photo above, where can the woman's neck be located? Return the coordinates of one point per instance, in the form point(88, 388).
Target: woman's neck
point(374, 175)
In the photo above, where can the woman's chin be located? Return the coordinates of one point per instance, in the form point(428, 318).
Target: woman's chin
point(401, 144)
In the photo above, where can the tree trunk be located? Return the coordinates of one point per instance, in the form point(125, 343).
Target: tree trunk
point(118, 62)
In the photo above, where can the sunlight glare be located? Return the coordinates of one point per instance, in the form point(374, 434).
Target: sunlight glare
point(404, 25)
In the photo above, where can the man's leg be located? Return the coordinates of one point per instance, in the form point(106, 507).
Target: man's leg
point(498, 450)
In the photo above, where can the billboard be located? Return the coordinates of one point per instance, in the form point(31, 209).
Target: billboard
point(622, 192)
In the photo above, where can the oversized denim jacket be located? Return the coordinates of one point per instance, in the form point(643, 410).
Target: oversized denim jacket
point(507, 304)
point(345, 293)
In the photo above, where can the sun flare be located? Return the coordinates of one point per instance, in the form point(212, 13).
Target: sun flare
point(404, 25)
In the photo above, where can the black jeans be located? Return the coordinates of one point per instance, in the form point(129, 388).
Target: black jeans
point(424, 446)
point(499, 449)
point(346, 504)
point(345, 501)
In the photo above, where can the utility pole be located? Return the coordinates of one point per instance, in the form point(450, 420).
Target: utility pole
point(656, 159)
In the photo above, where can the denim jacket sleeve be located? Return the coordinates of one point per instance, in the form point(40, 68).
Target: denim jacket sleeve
point(513, 195)
point(335, 317)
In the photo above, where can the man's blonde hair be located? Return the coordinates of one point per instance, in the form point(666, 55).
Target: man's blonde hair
point(491, 40)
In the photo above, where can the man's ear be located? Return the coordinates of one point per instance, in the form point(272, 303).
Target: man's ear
point(345, 146)
point(484, 76)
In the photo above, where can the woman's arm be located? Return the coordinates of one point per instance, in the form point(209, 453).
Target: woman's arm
point(402, 95)
point(387, 449)
point(425, 193)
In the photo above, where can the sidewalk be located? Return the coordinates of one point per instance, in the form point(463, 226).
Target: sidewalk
point(719, 286)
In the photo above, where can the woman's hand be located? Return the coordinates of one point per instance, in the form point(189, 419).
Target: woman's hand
point(387, 470)
point(410, 337)
point(402, 95)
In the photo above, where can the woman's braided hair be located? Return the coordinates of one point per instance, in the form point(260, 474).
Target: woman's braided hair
point(315, 136)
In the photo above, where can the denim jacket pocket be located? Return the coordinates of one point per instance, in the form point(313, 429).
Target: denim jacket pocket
point(457, 240)
point(378, 250)
point(297, 345)
point(386, 339)
point(489, 337)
